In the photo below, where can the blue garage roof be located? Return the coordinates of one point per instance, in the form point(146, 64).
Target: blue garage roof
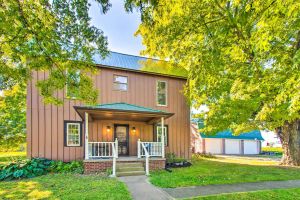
point(252, 135)
point(121, 60)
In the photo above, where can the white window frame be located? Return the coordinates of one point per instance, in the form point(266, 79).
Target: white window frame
point(166, 134)
point(78, 124)
point(116, 82)
point(157, 103)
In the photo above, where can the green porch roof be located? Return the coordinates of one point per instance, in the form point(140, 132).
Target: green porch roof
point(124, 107)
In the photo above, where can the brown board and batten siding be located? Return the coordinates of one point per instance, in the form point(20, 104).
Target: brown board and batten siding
point(45, 123)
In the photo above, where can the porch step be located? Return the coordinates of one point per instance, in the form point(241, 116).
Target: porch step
point(131, 173)
point(129, 164)
point(130, 169)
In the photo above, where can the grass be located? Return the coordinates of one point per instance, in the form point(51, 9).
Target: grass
point(6, 157)
point(258, 195)
point(64, 186)
point(223, 171)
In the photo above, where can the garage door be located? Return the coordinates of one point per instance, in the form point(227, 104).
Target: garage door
point(213, 146)
point(232, 146)
point(250, 147)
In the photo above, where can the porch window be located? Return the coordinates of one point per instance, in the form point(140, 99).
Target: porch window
point(120, 83)
point(72, 133)
point(159, 133)
point(161, 93)
point(72, 86)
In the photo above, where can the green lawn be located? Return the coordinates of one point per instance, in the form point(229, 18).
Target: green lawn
point(64, 186)
point(214, 171)
point(279, 194)
point(6, 157)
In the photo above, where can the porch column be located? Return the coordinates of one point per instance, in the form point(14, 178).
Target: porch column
point(86, 127)
point(162, 138)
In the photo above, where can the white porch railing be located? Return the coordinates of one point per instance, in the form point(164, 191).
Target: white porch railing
point(154, 149)
point(150, 149)
point(104, 150)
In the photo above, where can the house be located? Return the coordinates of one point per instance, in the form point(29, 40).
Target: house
point(140, 116)
point(225, 142)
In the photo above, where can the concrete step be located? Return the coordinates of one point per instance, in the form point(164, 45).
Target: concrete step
point(131, 173)
point(129, 164)
point(128, 169)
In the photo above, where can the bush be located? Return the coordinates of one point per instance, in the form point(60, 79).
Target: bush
point(172, 158)
point(72, 167)
point(37, 167)
point(275, 150)
point(25, 169)
point(202, 155)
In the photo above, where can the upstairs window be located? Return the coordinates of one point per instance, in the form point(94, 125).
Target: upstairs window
point(120, 83)
point(72, 86)
point(72, 133)
point(161, 93)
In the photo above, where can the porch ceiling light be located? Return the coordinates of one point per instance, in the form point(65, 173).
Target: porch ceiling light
point(108, 128)
point(133, 129)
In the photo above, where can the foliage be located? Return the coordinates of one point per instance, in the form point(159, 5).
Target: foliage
point(242, 56)
point(222, 171)
point(54, 36)
point(276, 150)
point(172, 158)
point(65, 186)
point(72, 167)
point(7, 157)
point(21, 168)
point(24, 169)
point(162, 67)
point(13, 116)
point(202, 155)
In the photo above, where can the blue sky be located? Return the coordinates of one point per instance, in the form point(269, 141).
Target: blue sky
point(119, 27)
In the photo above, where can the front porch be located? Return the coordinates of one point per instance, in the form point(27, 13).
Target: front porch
point(120, 133)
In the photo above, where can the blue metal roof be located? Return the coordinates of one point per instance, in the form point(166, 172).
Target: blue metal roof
point(252, 135)
point(124, 107)
point(121, 60)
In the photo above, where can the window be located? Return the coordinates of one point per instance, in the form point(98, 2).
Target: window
point(158, 133)
point(72, 87)
point(161, 93)
point(72, 133)
point(120, 83)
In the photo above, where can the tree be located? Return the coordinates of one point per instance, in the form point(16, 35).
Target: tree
point(242, 57)
point(51, 35)
point(13, 116)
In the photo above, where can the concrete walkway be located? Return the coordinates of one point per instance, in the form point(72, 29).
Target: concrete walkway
point(188, 192)
point(141, 189)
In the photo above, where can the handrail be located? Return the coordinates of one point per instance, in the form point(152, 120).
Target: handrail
point(147, 159)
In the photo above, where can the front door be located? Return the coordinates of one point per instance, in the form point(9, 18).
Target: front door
point(121, 132)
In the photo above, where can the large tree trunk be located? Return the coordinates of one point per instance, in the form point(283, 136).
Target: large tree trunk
point(289, 135)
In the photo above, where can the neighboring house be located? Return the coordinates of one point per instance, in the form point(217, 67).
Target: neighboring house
point(134, 106)
point(225, 143)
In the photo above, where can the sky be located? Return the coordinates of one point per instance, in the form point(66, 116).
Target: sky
point(119, 27)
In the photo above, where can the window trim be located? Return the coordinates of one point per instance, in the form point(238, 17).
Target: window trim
point(114, 75)
point(156, 92)
point(155, 133)
point(68, 96)
point(66, 122)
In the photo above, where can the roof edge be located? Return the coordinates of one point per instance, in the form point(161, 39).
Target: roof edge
point(140, 71)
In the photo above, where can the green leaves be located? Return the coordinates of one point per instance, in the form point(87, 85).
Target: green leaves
point(52, 36)
point(242, 58)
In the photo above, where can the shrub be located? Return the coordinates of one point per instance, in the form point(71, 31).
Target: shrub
point(37, 167)
point(72, 167)
point(24, 169)
point(172, 158)
point(202, 155)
